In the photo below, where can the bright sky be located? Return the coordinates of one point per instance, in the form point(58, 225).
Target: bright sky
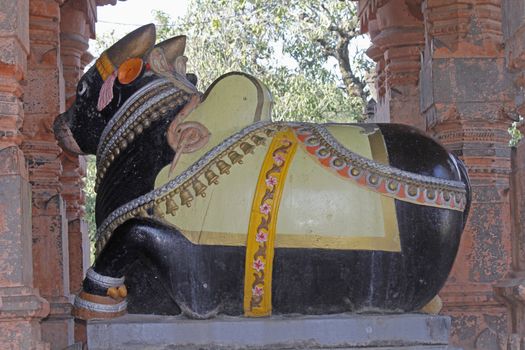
point(136, 12)
point(128, 15)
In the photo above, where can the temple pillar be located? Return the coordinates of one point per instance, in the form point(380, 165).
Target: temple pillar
point(77, 26)
point(512, 290)
point(467, 102)
point(44, 101)
point(397, 34)
point(21, 307)
point(377, 55)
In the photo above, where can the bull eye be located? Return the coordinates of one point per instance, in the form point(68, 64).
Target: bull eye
point(82, 88)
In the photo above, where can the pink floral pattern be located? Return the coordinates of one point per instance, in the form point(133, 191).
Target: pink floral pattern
point(261, 236)
point(278, 159)
point(271, 181)
point(258, 291)
point(265, 208)
point(258, 265)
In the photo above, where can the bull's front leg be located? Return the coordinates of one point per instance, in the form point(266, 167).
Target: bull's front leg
point(104, 292)
point(182, 267)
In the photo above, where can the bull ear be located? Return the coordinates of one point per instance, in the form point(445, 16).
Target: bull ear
point(135, 44)
point(173, 47)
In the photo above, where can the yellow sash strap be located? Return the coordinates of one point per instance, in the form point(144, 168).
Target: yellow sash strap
point(263, 221)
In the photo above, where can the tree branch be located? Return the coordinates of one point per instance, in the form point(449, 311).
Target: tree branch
point(354, 84)
point(327, 49)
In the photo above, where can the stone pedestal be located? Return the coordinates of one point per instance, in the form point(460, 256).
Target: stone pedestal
point(409, 331)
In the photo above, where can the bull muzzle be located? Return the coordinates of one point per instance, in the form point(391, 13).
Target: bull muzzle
point(64, 135)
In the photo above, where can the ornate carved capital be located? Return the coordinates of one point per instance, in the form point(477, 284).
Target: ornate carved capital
point(397, 33)
point(464, 28)
point(14, 41)
point(368, 9)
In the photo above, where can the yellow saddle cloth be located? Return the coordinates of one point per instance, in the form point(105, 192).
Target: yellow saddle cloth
point(318, 207)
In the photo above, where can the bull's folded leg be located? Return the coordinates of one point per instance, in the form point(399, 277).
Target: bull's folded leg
point(188, 273)
point(103, 292)
point(89, 305)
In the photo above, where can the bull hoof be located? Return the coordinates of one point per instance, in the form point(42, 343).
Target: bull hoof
point(433, 307)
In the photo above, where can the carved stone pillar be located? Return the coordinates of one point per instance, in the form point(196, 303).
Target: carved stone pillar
point(514, 35)
point(467, 96)
point(378, 56)
point(21, 307)
point(397, 33)
point(512, 290)
point(77, 26)
point(44, 100)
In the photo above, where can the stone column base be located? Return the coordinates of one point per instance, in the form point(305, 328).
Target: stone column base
point(21, 309)
point(408, 331)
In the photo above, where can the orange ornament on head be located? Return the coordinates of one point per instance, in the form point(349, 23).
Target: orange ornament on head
point(129, 70)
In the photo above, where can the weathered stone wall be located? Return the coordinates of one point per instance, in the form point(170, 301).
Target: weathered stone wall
point(43, 239)
point(465, 98)
point(511, 290)
point(43, 101)
point(21, 307)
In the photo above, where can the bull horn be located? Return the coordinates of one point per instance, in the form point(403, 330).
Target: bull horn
point(134, 44)
point(173, 47)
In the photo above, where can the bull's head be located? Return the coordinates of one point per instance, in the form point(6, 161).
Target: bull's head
point(131, 63)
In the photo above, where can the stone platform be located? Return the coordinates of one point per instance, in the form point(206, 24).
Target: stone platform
point(385, 332)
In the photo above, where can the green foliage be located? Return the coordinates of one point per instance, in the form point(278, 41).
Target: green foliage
point(515, 133)
point(89, 190)
point(299, 49)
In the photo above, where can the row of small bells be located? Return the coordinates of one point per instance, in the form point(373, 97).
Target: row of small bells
point(199, 188)
point(185, 195)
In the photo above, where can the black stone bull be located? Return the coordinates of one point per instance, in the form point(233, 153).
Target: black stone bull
point(129, 110)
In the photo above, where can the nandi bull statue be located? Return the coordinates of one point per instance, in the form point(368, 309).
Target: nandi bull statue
point(206, 206)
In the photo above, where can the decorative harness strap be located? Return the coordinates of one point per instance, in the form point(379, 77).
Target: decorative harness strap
point(164, 199)
point(146, 106)
point(377, 177)
point(263, 222)
point(381, 178)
